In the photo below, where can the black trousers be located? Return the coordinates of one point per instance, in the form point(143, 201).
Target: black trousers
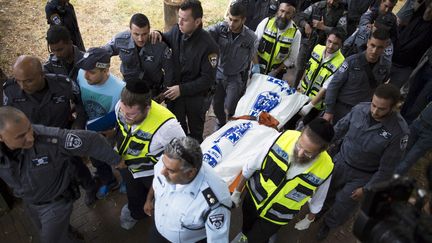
point(256, 229)
point(136, 191)
point(190, 112)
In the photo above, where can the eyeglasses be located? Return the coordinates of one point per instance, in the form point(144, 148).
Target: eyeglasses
point(307, 154)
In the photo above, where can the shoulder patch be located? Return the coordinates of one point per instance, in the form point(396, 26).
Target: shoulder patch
point(168, 53)
point(210, 197)
point(404, 142)
point(55, 19)
point(343, 67)
point(213, 59)
point(72, 141)
point(217, 220)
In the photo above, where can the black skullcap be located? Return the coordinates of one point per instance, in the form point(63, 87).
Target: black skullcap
point(95, 58)
point(137, 86)
point(322, 128)
point(290, 2)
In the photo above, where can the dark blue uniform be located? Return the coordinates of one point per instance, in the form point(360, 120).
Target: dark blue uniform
point(59, 14)
point(195, 61)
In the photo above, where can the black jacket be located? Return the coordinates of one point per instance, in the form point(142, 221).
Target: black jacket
point(195, 61)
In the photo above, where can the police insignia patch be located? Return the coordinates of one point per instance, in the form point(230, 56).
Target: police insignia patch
point(343, 67)
point(168, 53)
point(213, 59)
point(72, 141)
point(217, 220)
point(388, 51)
point(404, 142)
point(55, 19)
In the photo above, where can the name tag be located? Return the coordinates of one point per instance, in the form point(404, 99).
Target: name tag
point(40, 161)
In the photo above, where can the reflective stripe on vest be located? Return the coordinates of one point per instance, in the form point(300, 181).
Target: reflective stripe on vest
point(317, 72)
point(276, 198)
point(133, 146)
point(273, 50)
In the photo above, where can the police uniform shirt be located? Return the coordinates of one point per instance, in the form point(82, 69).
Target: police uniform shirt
point(153, 61)
point(350, 84)
point(360, 38)
point(235, 52)
point(192, 212)
point(65, 16)
point(371, 146)
point(42, 173)
point(295, 46)
point(55, 65)
point(168, 131)
point(54, 108)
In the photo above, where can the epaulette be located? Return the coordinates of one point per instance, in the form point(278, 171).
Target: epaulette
point(210, 197)
point(47, 139)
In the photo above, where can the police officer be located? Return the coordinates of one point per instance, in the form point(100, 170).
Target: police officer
point(355, 9)
point(315, 23)
point(237, 45)
point(35, 161)
point(201, 212)
point(419, 142)
point(64, 55)
point(283, 178)
point(143, 129)
point(374, 139)
point(257, 10)
point(279, 42)
point(195, 56)
point(357, 77)
point(46, 99)
point(384, 7)
point(61, 12)
point(140, 58)
point(358, 40)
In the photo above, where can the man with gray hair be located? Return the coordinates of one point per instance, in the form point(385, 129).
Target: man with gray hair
point(201, 212)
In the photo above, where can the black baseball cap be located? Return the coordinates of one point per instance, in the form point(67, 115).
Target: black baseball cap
point(95, 57)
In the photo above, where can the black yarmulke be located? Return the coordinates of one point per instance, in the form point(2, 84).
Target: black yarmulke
point(137, 87)
point(322, 128)
point(290, 2)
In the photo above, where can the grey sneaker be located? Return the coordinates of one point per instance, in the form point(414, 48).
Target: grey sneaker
point(126, 220)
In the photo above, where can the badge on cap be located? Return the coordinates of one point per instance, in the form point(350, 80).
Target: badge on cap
point(86, 55)
point(213, 59)
point(72, 141)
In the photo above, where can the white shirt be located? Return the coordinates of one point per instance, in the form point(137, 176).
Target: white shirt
point(167, 132)
point(295, 46)
point(317, 200)
point(182, 212)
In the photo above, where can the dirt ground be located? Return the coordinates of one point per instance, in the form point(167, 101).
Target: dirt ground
point(23, 25)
